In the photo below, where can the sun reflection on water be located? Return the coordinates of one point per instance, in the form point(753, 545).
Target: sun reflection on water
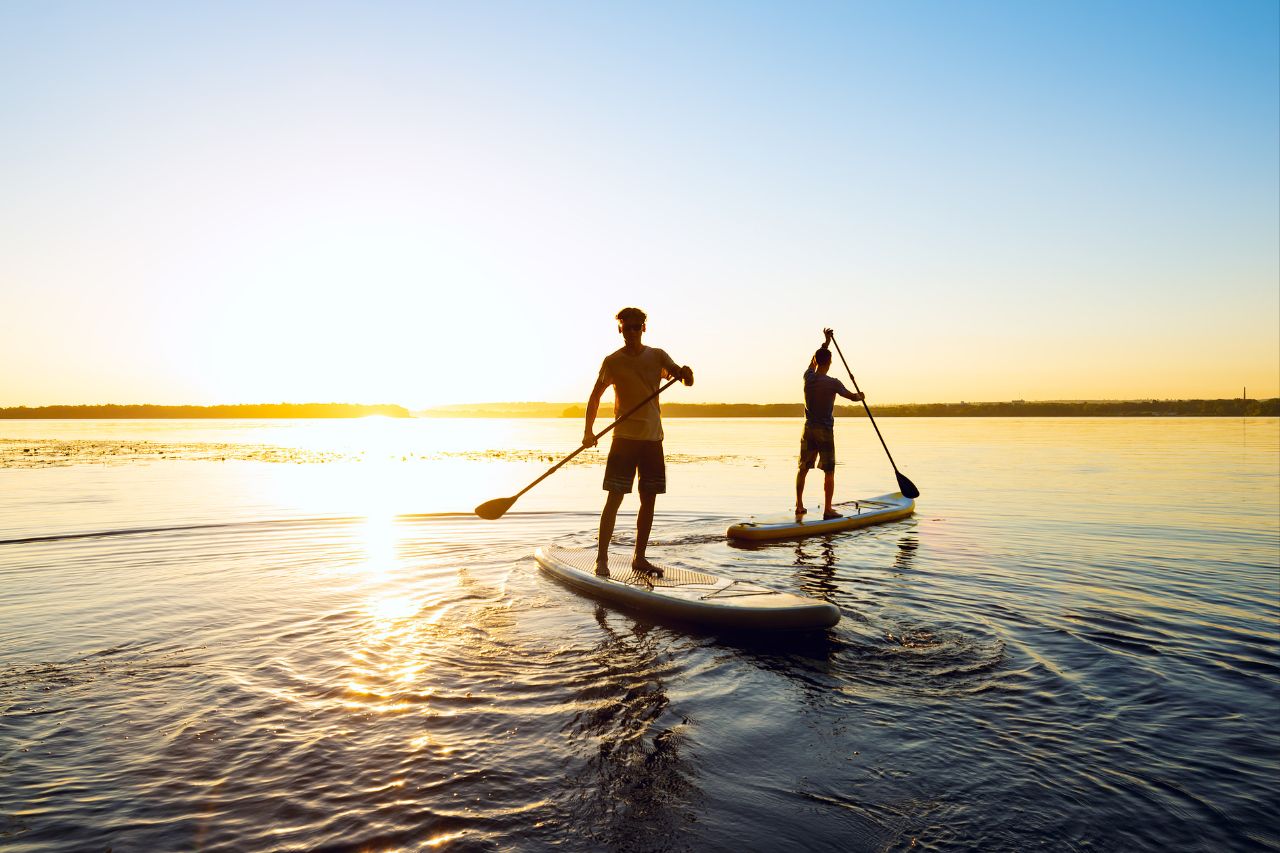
point(378, 538)
point(392, 608)
point(389, 665)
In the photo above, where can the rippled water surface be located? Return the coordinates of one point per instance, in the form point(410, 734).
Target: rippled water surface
point(256, 635)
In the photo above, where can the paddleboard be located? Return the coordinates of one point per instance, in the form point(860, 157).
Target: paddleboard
point(861, 513)
point(685, 595)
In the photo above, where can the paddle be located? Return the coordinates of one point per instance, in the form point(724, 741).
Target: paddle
point(907, 487)
point(497, 507)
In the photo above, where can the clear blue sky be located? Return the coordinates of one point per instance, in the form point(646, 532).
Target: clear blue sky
point(221, 202)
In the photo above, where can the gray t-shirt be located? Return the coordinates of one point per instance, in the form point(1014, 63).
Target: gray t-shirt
point(820, 393)
point(633, 378)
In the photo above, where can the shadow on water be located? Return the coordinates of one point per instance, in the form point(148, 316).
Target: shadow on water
point(816, 568)
point(635, 788)
point(886, 639)
point(906, 552)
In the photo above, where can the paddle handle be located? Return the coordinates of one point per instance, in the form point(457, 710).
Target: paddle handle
point(628, 413)
point(865, 406)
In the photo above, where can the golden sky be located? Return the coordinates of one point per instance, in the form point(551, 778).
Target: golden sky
point(214, 204)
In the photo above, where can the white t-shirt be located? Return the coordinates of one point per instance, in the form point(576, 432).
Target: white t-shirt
point(633, 378)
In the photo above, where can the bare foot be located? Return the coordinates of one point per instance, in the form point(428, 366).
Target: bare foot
point(644, 567)
point(602, 566)
point(800, 511)
point(830, 514)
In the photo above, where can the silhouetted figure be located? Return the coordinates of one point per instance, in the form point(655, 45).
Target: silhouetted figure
point(635, 372)
point(818, 442)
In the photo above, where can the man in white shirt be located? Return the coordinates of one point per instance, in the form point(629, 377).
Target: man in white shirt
point(635, 372)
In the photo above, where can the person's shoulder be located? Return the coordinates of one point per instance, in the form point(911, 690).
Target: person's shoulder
point(608, 362)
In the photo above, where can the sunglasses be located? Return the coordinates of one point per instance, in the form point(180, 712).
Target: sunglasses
point(633, 327)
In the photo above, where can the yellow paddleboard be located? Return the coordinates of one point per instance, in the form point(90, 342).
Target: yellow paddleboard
point(861, 513)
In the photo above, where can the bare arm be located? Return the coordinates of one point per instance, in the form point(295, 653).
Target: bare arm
point(826, 344)
point(593, 406)
point(670, 368)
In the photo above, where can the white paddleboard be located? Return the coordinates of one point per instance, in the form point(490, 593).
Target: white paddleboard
point(860, 513)
point(685, 595)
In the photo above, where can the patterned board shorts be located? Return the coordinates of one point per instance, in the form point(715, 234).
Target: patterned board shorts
point(818, 444)
point(627, 456)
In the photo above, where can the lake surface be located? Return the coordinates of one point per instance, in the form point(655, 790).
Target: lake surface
point(293, 635)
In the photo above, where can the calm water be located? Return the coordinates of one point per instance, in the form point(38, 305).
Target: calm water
point(292, 635)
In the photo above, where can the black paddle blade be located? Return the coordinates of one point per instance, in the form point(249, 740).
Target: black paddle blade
point(495, 508)
point(907, 487)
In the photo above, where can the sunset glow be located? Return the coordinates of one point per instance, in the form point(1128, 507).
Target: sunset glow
point(420, 205)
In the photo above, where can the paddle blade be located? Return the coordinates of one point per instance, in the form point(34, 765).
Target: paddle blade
point(905, 486)
point(495, 508)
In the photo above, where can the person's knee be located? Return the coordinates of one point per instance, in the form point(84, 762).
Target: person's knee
point(648, 499)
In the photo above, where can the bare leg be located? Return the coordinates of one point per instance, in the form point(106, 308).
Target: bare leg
point(829, 489)
point(607, 517)
point(644, 523)
point(800, 477)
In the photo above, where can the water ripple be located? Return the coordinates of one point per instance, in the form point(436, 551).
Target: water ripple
point(1020, 666)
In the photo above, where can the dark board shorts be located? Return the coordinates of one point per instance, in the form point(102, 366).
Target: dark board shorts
point(818, 444)
point(629, 456)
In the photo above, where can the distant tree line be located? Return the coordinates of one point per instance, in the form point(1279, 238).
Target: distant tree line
point(1015, 408)
point(247, 410)
point(1081, 408)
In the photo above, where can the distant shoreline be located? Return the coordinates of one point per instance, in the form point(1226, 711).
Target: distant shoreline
point(246, 410)
point(1015, 408)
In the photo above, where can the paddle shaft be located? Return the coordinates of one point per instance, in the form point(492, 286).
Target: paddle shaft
point(623, 417)
point(865, 406)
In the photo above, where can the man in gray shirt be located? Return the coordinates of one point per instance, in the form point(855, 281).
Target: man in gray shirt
point(818, 442)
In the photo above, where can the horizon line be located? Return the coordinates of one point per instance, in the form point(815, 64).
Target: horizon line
point(443, 406)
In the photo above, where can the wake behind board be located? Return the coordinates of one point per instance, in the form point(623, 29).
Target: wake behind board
point(684, 595)
point(861, 513)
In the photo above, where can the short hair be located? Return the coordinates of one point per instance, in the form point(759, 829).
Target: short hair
point(822, 356)
point(633, 315)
